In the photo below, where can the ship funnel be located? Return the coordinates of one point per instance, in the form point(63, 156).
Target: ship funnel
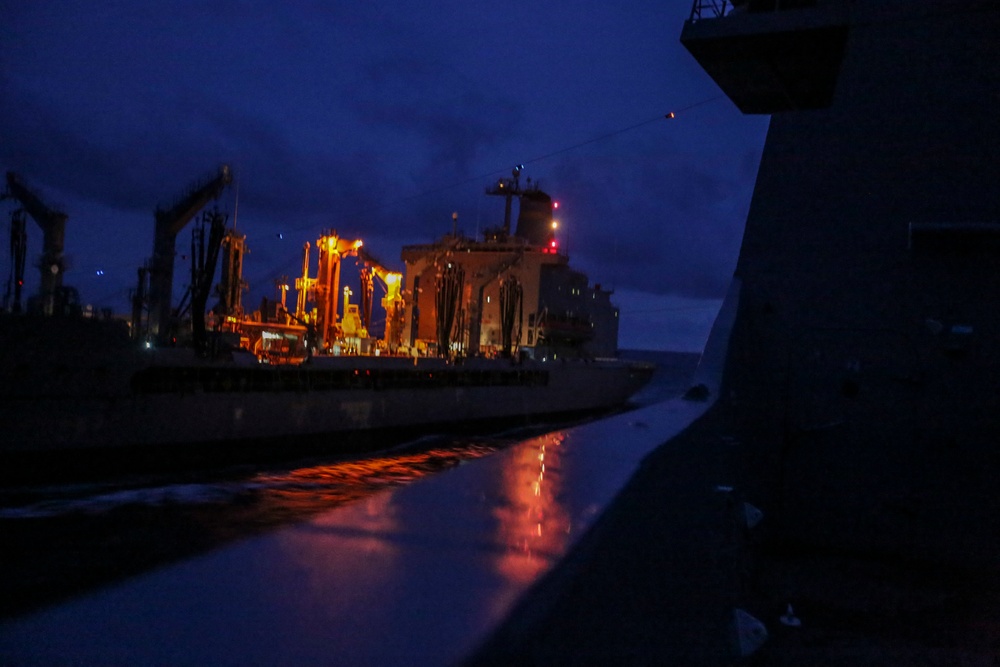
point(534, 218)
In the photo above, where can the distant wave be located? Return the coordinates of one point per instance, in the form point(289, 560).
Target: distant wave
point(319, 484)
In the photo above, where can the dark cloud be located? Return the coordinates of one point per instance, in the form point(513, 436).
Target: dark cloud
point(457, 120)
point(660, 225)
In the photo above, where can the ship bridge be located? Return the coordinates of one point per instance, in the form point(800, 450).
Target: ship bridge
point(769, 56)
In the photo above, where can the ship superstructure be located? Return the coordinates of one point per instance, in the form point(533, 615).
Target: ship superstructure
point(864, 357)
point(506, 292)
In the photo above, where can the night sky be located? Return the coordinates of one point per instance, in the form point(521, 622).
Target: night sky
point(378, 120)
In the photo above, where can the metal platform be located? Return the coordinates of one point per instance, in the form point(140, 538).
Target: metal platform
point(769, 57)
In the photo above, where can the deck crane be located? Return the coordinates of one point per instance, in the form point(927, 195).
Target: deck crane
point(478, 283)
point(169, 223)
point(332, 249)
point(231, 284)
point(324, 289)
point(204, 258)
point(53, 226)
point(392, 281)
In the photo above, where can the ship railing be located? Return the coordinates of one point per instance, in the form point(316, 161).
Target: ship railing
point(714, 9)
point(710, 9)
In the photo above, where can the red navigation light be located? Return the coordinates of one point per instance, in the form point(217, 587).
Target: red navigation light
point(552, 244)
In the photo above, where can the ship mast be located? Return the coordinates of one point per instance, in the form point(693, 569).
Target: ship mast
point(508, 188)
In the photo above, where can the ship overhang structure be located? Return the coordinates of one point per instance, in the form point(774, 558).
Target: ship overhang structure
point(773, 60)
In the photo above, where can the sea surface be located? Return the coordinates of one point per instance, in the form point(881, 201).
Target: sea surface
point(63, 540)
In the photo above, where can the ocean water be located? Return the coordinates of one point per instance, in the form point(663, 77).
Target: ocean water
point(673, 374)
point(63, 540)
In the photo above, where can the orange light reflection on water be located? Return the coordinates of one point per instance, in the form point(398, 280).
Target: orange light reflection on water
point(318, 488)
point(350, 540)
point(358, 537)
point(533, 524)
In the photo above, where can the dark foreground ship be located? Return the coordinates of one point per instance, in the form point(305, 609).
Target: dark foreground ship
point(494, 330)
point(864, 359)
point(859, 401)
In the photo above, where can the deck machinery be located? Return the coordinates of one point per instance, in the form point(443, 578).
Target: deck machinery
point(504, 294)
point(281, 335)
point(53, 297)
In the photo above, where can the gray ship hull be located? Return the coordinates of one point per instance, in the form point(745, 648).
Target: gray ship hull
point(200, 412)
point(105, 399)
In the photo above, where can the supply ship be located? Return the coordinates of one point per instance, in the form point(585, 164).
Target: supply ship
point(497, 329)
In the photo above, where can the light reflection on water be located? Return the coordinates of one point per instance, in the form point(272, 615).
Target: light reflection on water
point(312, 486)
point(376, 578)
point(357, 551)
point(126, 527)
point(533, 524)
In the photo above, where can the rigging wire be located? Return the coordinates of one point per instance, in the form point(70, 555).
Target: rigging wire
point(667, 116)
point(480, 177)
point(472, 179)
